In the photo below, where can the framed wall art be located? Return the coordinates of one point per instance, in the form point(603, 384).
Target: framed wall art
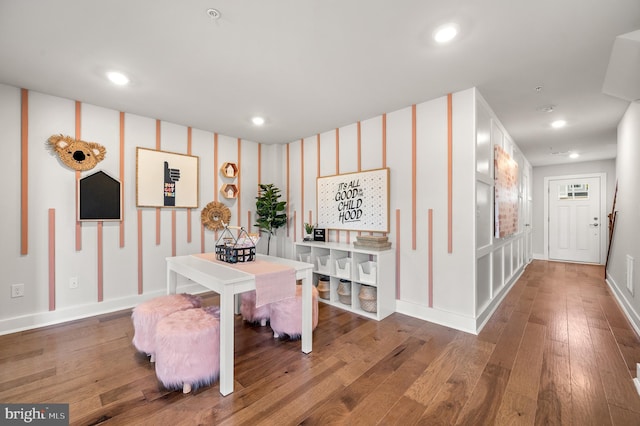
point(506, 194)
point(166, 179)
point(354, 201)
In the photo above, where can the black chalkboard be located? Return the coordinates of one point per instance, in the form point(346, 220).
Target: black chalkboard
point(99, 198)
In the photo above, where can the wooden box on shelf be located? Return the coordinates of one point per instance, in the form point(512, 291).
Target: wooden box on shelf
point(229, 190)
point(372, 274)
point(229, 170)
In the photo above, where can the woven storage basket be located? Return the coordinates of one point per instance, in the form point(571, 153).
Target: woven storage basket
point(344, 292)
point(368, 298)
point(324, 288)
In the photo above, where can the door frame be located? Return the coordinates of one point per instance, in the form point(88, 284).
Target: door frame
point(603, 210)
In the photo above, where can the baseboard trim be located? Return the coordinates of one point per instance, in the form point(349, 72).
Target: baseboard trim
point(447, 319)
point(47, 318)
point(624, 304)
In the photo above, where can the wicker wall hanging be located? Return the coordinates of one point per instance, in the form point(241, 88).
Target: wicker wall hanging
point(76, 154)
point(214, 214)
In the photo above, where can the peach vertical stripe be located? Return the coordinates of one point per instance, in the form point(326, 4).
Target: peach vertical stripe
point(337, 169)
point(259, 163)
point(52, 259)
point(310, 216)
point(384, 147)
point(78, 174)
point(295, 226)
point(239, 182)
point(359, 169)
point(302, 185)
point(189, 210)
point(158, 128)
point(248, 220)
point(430, 257)
point(139, 251)
point(215, 173)
point(413, 176)
point(288, 193)
point(337, 151)
point(173, 232)
point(384, 140)
point(398, 254)
point(100, 263)
point(202, 238)
point(450, 173)
point(24, 172)
point(215, 167)
point(121, 224)
point(317, 163)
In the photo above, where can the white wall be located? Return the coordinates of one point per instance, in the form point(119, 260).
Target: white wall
point(627, 228)
point(454, 274)
point(293, 167)
point(540, 173)
point(52, 186)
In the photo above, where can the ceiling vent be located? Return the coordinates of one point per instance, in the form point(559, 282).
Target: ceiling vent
point(623, 74)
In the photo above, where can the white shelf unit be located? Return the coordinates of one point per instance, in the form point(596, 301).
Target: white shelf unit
point(343, 261)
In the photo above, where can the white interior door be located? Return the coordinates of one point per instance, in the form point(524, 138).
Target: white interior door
point(575, 225)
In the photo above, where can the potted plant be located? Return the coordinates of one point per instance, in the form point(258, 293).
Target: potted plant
point(308, 229)
point(270, 210)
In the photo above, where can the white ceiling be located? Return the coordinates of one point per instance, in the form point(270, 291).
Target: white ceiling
point(311, 66)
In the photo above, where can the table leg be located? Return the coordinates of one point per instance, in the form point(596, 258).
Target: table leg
point(226, 341)
point(307, 312)
point(172, 281)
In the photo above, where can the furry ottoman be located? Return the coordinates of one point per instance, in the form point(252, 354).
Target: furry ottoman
point(188, 348)
point(286, 315)
point(252, 313)
point(146, 315)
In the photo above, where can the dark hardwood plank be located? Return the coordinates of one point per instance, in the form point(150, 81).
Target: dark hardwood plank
point(558, 350)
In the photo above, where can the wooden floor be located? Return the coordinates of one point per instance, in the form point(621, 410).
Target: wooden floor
point(557, 351)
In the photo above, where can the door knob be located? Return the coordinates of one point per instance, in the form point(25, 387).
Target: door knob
point(595, 224)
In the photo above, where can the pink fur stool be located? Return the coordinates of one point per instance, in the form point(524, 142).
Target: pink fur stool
point(286, 315)
point(252, 313)
point(188, 348)
point(146, 315)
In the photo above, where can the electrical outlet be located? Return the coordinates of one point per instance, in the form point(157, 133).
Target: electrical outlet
point(73, 282)
point(17, 290)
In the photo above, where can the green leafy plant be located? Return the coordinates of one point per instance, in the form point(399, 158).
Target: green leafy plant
point(308, 228)
point(270, 210)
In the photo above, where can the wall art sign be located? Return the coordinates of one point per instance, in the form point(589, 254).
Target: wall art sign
point(506, 193)
point(166, 179)
point(354, 201)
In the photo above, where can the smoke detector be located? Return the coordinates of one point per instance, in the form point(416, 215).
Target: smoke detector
point(546, 108)
point(214, 14)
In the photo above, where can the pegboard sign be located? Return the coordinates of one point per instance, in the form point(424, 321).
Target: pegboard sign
point(354, 201)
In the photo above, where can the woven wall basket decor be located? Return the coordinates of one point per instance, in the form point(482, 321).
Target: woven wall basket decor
point(214, 214)
point(77, 154)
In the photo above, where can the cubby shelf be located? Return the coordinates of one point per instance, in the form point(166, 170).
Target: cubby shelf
point(360, 266)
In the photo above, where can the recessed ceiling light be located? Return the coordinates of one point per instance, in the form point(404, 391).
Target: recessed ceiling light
point(445, 33)
point(117, 78)
point(258, 121)
point(558, 124)
point(574, 155)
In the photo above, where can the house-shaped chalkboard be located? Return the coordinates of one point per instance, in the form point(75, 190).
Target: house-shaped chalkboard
point(99, 198)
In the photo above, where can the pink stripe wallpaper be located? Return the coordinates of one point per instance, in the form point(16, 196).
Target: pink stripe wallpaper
point(52, 259)
point(24, 172)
